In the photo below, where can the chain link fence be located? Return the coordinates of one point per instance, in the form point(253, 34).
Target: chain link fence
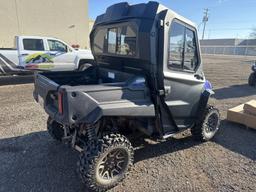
point(243, 47)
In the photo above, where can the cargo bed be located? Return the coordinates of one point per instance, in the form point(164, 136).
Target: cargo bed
point(84, 97)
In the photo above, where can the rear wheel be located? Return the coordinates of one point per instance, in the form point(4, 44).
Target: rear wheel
point(84, 66)
point(105, 163)
point(209, 125)
point(252, 79)
point(55, 129)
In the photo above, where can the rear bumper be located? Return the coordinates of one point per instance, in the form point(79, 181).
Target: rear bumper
point(79, 107)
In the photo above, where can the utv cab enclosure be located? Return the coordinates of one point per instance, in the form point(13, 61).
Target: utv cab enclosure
point(148, 78)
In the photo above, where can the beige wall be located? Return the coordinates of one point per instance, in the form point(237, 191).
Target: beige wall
point(64, 19)
point(91, 23)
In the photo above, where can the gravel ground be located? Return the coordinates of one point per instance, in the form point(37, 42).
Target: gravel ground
point(31, 161)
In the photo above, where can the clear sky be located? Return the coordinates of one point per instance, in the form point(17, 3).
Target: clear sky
point(227, 18)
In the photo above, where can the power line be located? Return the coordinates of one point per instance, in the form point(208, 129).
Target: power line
point(231, 29)
point(235, 21)
point(205, 20)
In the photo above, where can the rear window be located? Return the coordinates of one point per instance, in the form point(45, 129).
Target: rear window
point(119, 40)
point(33, 44)
point(112, 40)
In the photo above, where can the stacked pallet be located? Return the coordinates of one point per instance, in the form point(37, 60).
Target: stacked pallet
point(244, 114)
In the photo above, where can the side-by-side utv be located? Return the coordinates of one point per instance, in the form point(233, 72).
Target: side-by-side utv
point(252, 77)
point(148, 79)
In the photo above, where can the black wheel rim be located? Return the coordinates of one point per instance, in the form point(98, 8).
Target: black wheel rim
point(113, 164)
point(212, 123)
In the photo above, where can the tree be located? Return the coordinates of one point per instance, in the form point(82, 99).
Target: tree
point(253, 34)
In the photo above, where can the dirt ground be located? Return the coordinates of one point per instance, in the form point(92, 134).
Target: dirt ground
point(31, 161)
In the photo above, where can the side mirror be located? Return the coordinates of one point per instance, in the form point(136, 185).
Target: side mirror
point(75, 46)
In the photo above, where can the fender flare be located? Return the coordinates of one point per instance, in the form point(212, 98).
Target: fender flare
point(82, 61)
point(207, 93)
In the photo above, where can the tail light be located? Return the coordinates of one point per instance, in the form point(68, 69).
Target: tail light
point(60, 102)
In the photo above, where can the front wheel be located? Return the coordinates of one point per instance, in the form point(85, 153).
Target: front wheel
point(105, 163)
point(252, 79)
point(209, 125)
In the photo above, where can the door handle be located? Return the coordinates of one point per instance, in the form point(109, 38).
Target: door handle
point(24, 54)
point(167, 90)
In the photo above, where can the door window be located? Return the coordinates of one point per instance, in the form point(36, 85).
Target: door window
point(176, 46)
point(182, 48)
point(33, 44)
point(55, 45)
point(190, 59)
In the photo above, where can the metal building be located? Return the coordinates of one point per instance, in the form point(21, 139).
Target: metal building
point(64, 19)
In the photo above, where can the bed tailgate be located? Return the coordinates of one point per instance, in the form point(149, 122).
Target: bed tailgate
point(46, 93)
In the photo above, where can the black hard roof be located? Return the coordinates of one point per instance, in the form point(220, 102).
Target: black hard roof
point(123, 10)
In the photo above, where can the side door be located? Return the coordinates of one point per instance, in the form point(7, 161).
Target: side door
point(183, 74)
point(30, 50)
point(63, 56)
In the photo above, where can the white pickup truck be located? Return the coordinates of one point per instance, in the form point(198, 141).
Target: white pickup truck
point(43, 53)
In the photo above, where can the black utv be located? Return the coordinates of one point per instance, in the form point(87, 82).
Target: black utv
point(148, 79)
point(252, 77)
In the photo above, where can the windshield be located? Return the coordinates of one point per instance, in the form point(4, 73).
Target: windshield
point(117, 40)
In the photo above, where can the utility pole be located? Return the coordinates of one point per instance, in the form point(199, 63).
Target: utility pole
point(205, 20)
